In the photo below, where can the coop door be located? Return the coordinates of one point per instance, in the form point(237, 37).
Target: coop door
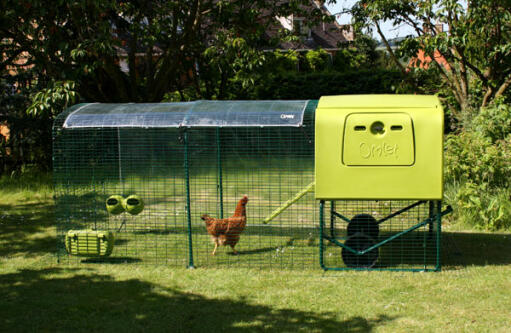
point(378, 139)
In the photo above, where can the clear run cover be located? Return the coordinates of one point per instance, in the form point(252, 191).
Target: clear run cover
point(188, 114)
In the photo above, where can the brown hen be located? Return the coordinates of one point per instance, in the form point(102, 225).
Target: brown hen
point(227, 231)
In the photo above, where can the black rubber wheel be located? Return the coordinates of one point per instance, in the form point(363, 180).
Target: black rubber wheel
point(360, 242)
point(365, 224)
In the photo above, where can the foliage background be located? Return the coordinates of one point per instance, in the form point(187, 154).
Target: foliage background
point(53, 57)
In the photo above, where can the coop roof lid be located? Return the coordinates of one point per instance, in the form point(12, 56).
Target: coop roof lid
point(188, 114)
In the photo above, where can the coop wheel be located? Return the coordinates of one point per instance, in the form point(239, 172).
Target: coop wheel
point(365, 224)
point(360, 242)
point(114, 204)
point(134, 204)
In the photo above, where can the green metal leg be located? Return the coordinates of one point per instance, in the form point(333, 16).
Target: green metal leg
point(321, 228)
point(431, 215)
point(220, 186)
point(438, 235)
point(332, 219)
point(188, 204)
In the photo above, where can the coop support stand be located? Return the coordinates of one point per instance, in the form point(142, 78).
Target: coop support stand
point(188, 204)
point(432, 219)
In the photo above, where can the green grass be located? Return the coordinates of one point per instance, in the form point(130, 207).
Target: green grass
point(472, 293)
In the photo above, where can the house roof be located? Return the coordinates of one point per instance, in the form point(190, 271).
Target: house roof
point(326, 35)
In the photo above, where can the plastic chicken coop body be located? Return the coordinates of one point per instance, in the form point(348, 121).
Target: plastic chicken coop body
point(379, 147)
point(379, 161)
point(232, 183)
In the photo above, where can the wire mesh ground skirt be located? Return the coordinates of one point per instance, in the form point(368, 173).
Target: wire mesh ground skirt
point(181, 175)
point(380, 238)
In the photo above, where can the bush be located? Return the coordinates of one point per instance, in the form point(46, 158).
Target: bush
point(473, 157)
point(317, 60)
point(478, 166)
point(292, 85)
point(494, 122)
point(482, 207)
point(284, 61)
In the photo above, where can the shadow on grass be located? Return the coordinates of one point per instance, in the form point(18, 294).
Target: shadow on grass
point(111, 260)
point(475, 249)
point(458, 250)
point(52, 300)
point(254, 251)
point(27, 228)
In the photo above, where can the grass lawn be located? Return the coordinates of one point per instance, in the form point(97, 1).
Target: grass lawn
point(472, 293)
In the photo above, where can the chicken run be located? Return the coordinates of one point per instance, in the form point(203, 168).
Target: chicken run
point(346, 182)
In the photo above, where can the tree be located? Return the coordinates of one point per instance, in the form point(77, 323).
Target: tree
point(125, 51)
point(139, 50)
point(474, 52)
point(361, 54)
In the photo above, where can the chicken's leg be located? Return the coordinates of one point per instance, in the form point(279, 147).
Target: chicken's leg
point(234, 250)
point(216, 247)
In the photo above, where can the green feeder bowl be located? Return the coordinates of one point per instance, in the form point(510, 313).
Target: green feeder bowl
point(89, 243)
point(133, 204)
point(114, 204)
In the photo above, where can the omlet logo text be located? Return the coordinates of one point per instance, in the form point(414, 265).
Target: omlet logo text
point(368, 151)
point(287, 116)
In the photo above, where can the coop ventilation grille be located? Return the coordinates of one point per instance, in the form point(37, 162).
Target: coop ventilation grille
point(189, 114)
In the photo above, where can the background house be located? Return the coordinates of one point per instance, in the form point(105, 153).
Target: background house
point(326, 35)
point(422, 60)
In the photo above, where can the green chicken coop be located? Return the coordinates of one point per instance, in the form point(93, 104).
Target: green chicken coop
point(346, 182)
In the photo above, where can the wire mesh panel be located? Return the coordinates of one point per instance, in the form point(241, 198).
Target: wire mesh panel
point(395, 235)
point(102, 160)
point(92, 165)
point(270, 167)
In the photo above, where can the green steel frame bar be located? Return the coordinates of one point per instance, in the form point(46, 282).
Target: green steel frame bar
point(342, 217)
point(332, 210)
point(188, 205)
point(219, 167)
point(400, 211)
point(332, 218)
point(391, 238)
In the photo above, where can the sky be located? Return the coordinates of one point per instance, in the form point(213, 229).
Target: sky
point(387, 28)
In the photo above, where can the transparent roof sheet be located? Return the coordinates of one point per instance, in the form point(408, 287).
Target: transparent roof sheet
point(189, 114)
